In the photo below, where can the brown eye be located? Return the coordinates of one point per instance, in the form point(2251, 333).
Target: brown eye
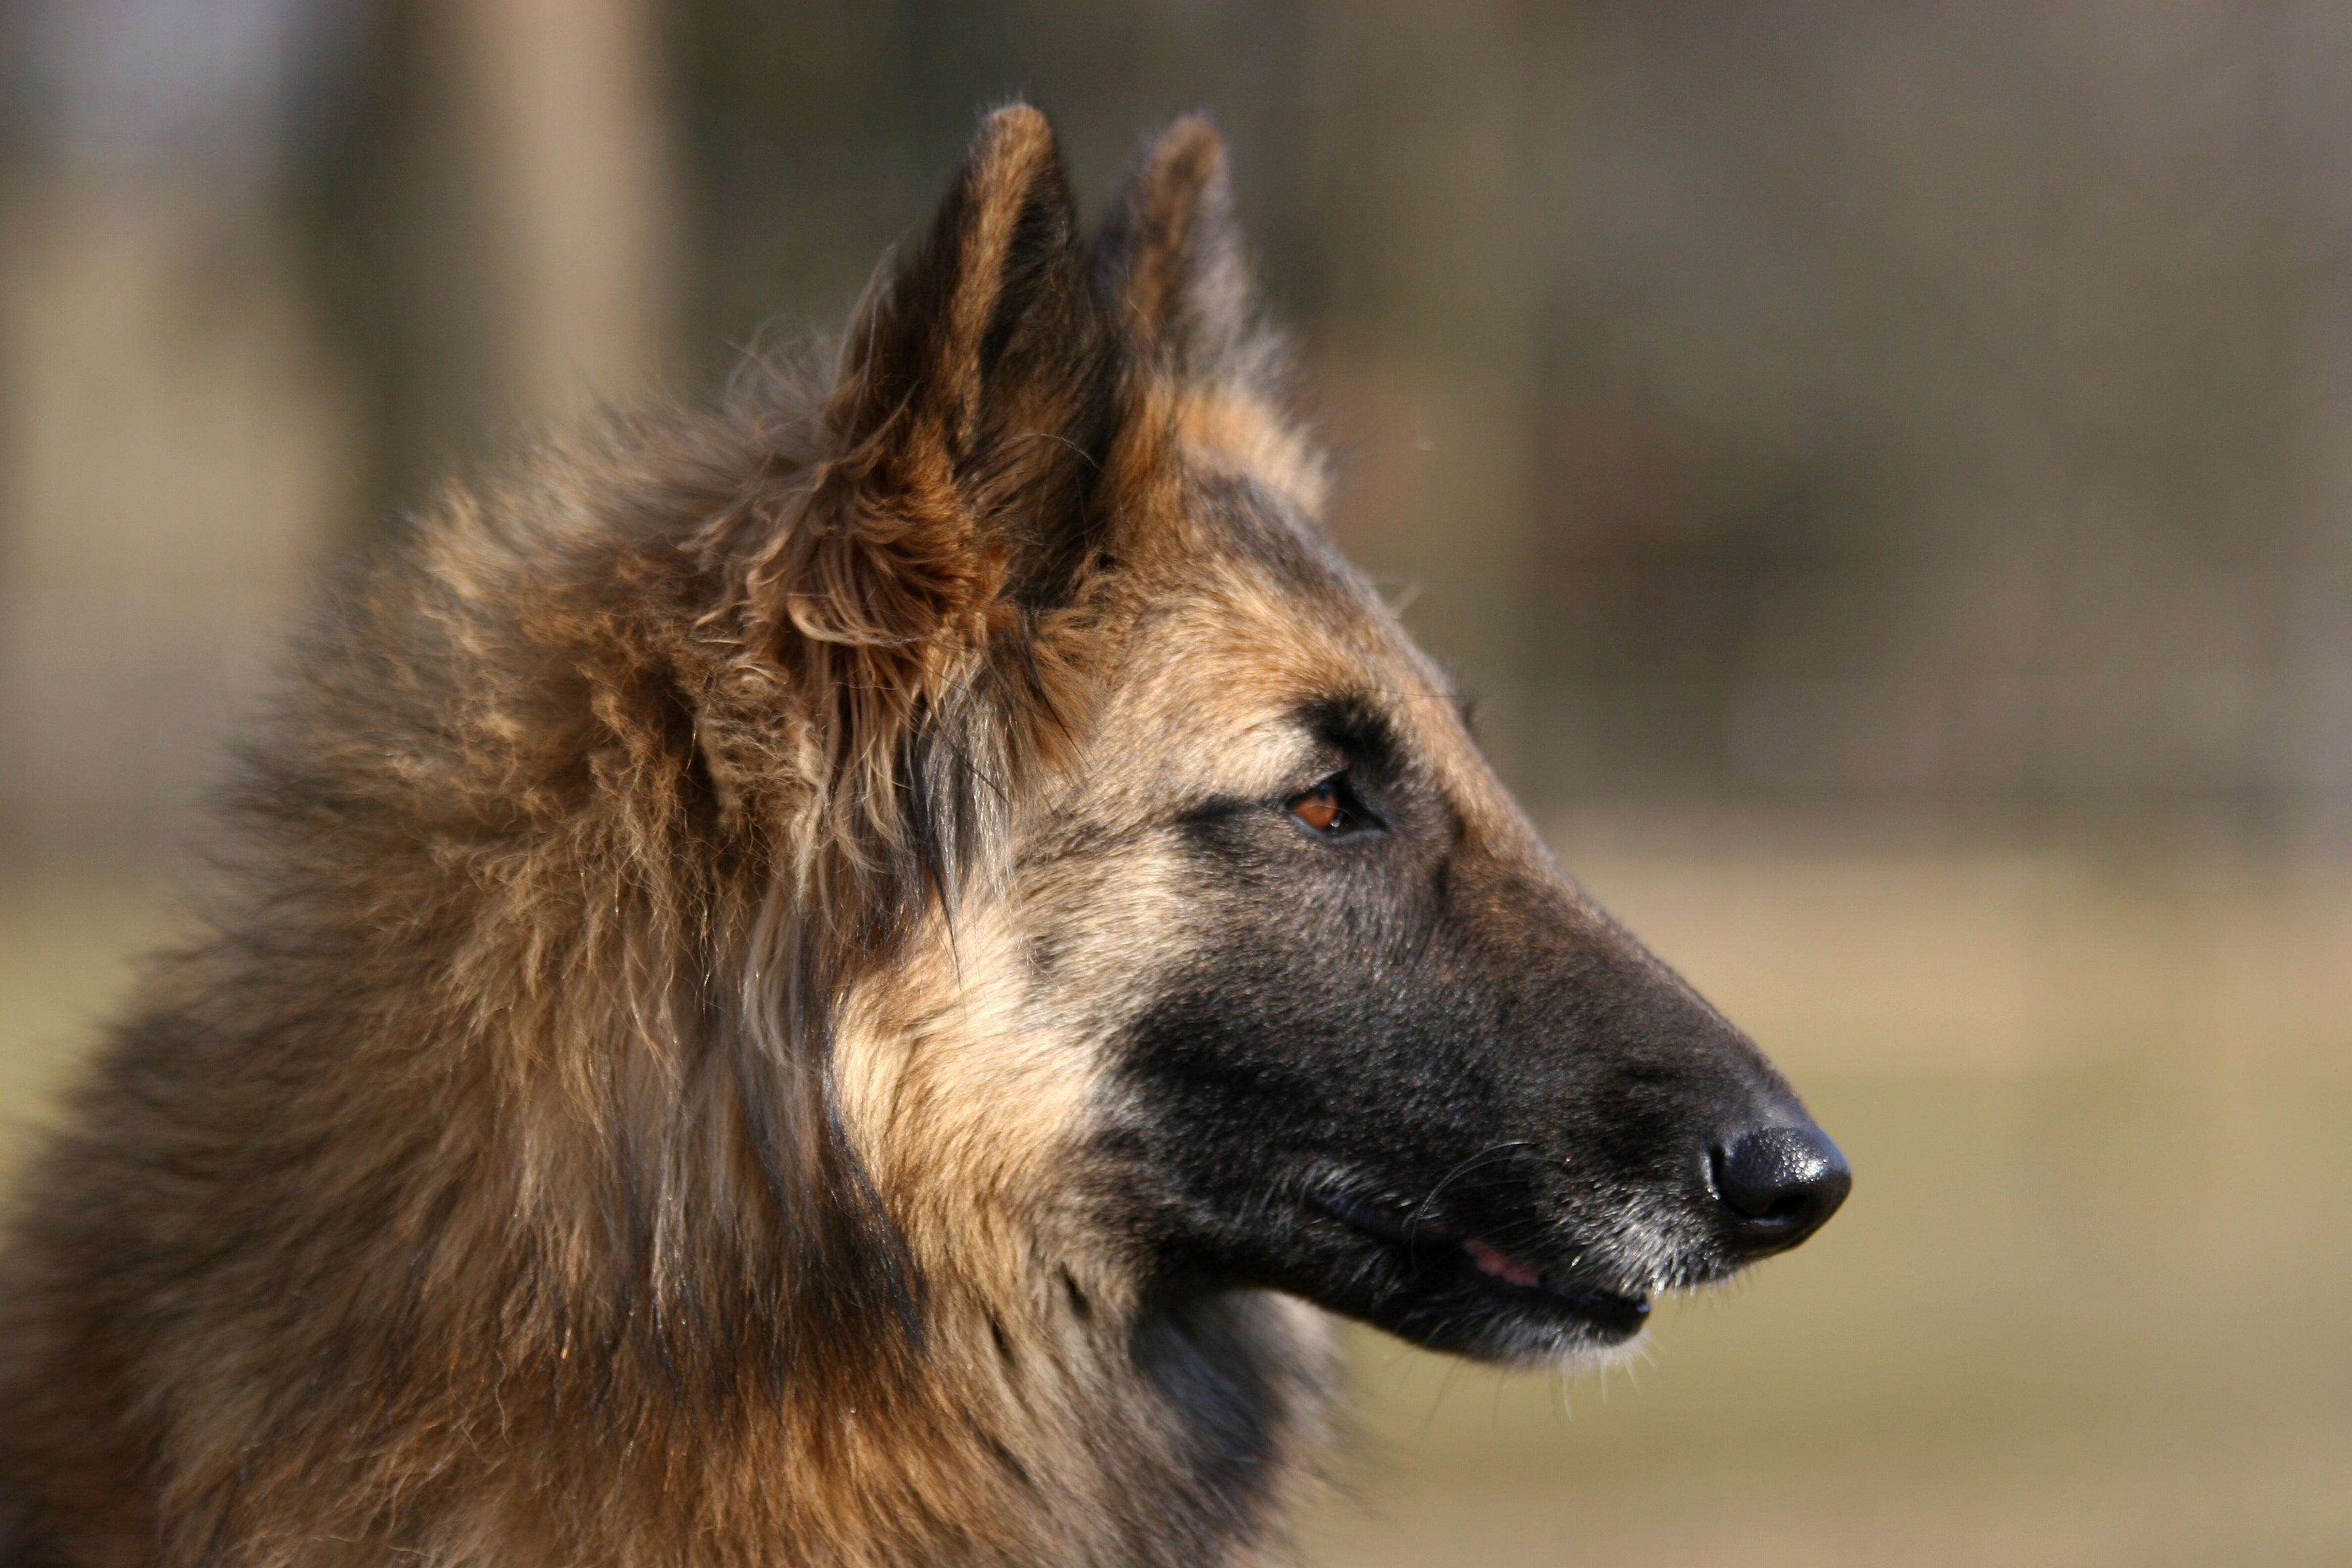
point(1320, 809)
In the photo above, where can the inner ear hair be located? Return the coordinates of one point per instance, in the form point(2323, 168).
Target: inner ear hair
point(1172, 253)
point(1000, 270)
point(972, 408)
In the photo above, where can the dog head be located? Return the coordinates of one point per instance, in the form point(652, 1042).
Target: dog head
point(1216, 904)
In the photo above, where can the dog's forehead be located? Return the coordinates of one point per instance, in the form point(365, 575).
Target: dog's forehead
point(1247, 618)
point(1261, 631)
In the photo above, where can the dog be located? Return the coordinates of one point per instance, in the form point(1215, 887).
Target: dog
point(844, 981)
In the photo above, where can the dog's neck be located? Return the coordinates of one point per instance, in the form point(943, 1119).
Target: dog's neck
point(1179, 1431)
point(652, 1380)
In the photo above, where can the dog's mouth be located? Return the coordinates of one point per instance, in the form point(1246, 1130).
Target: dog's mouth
point(1464, 1258)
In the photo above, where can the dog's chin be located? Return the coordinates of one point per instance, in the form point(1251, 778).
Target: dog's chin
point(1447, 1290)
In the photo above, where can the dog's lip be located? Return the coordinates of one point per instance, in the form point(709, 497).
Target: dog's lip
point(1608, 1310)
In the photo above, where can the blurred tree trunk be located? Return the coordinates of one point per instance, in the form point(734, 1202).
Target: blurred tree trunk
point(2312, 754)
point(170, 463)
point(493, 214)
point(570, 149)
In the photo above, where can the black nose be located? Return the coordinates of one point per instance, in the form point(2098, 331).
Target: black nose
point(1778, 1186)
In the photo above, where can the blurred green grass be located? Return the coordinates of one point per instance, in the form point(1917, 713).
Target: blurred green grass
point(70, 951)
point(2087, 1306)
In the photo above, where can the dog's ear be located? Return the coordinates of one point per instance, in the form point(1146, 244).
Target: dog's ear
point(1171, 255)
point(952, 505)
point(969, 413)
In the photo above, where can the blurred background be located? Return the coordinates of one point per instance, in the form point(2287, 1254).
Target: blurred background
point(1887, 472)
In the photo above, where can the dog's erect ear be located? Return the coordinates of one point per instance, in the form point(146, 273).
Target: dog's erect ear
point(953, 503)
point(974, 401)
point(1171, 254)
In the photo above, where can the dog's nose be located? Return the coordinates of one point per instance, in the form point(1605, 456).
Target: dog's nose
point(1778, 1186)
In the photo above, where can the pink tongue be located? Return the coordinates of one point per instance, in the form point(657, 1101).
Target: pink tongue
point(1501, 1266)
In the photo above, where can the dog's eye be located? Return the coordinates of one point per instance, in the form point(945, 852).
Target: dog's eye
point(1329, 808)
